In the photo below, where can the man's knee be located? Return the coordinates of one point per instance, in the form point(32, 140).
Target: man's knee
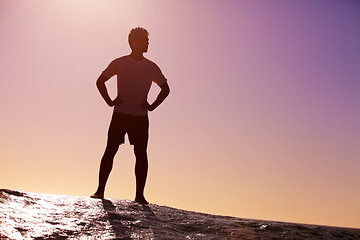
point(111, 149)
point(140, 150)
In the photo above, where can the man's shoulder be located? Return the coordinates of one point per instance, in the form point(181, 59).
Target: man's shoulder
point(151, 63)
point(121, 59)
point(119, 62)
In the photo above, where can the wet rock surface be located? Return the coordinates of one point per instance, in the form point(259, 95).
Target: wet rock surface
point(43, 216)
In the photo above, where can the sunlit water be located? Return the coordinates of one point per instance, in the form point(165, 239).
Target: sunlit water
point(43, 216)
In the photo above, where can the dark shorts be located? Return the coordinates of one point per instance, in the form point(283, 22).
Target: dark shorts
point(137, 128)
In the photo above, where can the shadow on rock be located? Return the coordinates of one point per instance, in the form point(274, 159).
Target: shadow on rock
point(115, 220)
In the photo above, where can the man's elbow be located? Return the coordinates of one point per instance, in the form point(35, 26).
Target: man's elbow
point(101, 81)
point(165, 89)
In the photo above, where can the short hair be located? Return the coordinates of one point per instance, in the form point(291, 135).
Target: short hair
point(135, 32)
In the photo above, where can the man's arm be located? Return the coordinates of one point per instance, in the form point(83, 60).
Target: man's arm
point(165, 90)
point(100, 83)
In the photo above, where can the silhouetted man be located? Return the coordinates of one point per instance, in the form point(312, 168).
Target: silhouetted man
point(135, 74)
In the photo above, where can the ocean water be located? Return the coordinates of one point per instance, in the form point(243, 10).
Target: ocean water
point(26, 215)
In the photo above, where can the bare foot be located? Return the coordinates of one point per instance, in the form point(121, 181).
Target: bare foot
point(97, 195)
point(141, 200)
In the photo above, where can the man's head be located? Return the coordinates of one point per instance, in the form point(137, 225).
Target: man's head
point(139, 39)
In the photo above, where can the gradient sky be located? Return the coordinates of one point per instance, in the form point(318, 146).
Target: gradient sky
point(262, 121)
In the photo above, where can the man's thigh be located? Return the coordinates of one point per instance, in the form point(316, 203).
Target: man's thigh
point(138, 131)
point(117, 130)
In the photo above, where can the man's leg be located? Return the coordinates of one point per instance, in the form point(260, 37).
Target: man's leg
point(141, 169)
point(105, 169)
point(115, 138)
